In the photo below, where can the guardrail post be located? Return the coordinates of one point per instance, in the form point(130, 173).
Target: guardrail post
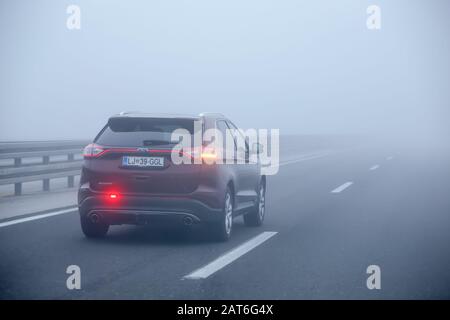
point(70, 179)
point(17, 186)
point(17, 162)
point(46, 182)
point(17, 189)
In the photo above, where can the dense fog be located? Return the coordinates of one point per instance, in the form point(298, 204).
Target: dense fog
point(303, 67)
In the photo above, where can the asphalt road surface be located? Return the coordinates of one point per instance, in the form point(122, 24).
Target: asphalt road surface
point(328, 219)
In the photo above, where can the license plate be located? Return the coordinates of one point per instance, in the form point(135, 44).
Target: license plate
point(143, 161)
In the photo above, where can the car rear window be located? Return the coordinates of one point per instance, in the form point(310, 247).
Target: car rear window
point(137, 132)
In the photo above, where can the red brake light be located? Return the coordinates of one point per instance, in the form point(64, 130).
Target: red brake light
point(92, 150)
point(113, 196)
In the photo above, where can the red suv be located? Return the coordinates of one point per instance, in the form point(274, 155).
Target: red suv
point(129, 177)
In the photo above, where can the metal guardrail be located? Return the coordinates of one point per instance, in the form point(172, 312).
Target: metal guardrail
point(20, 172)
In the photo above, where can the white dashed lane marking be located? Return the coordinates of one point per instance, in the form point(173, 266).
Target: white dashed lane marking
point(342, 187)
point(229, 257)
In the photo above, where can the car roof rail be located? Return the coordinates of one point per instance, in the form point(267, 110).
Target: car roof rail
point(123, 113)
point(212, 115)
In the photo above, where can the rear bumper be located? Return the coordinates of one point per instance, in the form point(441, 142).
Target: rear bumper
point(116, 217)
point(137, 210)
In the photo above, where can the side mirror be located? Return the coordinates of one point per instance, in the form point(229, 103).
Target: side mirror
point(257, 148)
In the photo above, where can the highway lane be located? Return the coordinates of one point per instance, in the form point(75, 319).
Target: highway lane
point(398, 219)
point(395, 216)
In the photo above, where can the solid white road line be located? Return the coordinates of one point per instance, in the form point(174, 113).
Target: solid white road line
point(342, 187)
point(40, 216)
point(375, 167)
point(229, 257)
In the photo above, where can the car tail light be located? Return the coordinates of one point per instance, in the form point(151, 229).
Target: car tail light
point(93, 150)
point(206, 155)
point(113, 196)
point(209, 155)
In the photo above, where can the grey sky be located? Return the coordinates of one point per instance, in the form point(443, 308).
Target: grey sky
point(301, 66)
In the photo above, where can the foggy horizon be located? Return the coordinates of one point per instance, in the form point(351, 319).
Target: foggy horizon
point(264, 66)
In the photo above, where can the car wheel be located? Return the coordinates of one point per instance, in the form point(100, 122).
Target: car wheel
point(93, 229)
point(255, 217)
point(224, 227)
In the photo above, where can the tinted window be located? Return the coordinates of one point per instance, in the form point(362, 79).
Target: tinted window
point(222, 127)
point(240, 139)
point(136, 132)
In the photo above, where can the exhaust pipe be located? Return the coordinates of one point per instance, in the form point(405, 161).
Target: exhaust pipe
point(188, 221)
point(95, 218)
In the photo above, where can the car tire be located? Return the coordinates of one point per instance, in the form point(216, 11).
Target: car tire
point(222, 229)
point(255, 217)
point(93, 230)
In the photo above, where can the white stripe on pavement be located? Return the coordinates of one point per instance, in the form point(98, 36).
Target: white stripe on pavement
point(304, 158)
point(229, 257)
point(375, 167)
point(40, 216)
point(342, 187)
